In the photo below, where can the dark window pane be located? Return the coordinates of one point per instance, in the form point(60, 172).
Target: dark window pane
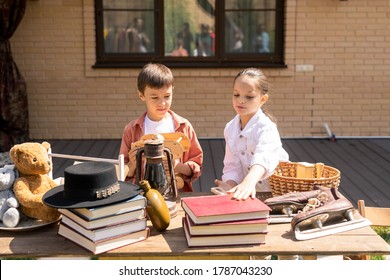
point(189, 28)
point(250, 32)
point(250, 4)
point(128, 32)
point(126, 4)
point(190, 33)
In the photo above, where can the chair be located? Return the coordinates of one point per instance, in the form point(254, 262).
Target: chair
point(379, 216)
point(120, 166)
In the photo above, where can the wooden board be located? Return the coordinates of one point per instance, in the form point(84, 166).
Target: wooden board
point(280, 240)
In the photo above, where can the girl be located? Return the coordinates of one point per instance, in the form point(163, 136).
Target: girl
point(253, 145)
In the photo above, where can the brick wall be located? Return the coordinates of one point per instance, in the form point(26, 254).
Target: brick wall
point(346, 43)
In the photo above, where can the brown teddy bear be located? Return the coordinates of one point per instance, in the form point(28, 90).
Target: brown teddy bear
point(32, 162)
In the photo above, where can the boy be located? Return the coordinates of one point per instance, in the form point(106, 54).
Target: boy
point(155, 88)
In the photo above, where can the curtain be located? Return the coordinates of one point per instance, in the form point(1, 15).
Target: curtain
point(13, 92)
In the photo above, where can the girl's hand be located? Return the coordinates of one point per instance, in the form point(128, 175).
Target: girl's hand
point(223, 185)
point(248, 186)
point(240, 191)
point(243, 191)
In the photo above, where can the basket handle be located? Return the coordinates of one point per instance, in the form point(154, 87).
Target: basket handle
point(319, 169)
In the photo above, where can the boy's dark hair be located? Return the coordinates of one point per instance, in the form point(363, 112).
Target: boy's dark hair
point(154, 75)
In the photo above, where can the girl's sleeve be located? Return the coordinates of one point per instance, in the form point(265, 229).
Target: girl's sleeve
point(269, 151)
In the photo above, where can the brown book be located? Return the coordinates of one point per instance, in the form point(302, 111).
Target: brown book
point(223, 208)
point(222, 240)
point(105, 244)
point(107, 231)
point(235, 227)
point(102, 222)
point(134, 203)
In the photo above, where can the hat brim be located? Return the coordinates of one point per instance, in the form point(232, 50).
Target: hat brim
point(55, 197)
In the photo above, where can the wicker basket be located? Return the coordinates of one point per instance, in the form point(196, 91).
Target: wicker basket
point(284, 179)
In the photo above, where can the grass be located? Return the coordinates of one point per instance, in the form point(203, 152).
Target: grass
point(383, 232)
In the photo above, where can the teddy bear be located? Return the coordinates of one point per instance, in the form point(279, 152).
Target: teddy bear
point(9, 214)
point(32, 161)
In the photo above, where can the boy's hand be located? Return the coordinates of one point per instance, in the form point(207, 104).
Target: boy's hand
point(133, 155)
point(183, 168)
point(132, 164)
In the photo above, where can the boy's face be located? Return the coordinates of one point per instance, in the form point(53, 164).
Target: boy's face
point(157, 101)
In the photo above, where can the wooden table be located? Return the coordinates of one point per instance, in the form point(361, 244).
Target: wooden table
point(45, 242)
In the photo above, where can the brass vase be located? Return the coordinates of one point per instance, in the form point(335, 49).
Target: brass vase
point(156, 207)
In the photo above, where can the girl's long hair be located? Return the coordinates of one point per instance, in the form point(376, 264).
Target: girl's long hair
point(262, 84)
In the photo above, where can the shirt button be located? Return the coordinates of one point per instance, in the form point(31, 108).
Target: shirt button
point(243, 153)
point(241, 136)
point(252, 153)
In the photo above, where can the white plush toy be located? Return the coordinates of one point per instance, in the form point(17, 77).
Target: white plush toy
point(9, 214)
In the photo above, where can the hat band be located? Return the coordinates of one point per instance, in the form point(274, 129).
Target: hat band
point(104, 193)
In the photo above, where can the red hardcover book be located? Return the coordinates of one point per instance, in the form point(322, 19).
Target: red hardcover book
point(223, 208)
point(236, 227)
point(222, 240)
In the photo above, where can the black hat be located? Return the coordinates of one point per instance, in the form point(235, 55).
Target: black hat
point(90, 184)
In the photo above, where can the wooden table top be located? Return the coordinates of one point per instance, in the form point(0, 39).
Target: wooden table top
point(280, 240)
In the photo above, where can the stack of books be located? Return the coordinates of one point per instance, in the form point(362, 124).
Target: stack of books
point(219, 220)
point(107, 227)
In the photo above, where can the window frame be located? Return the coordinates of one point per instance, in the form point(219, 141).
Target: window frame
point(221, 59)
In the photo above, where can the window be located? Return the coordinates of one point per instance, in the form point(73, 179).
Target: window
point(190, 33)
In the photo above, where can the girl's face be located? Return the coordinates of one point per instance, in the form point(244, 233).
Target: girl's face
point(157, 101)
point(247, 97)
